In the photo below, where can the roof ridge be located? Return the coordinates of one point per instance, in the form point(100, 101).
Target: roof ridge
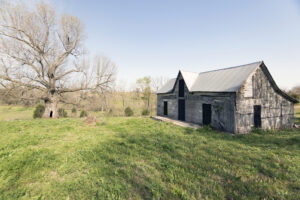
point(231, 67)
point(223, 68)
point(189, 71)
point(201, 81)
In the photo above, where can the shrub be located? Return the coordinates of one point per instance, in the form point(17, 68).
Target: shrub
point(62, 112)
point(74, 110)
point(145, 112)
point(83, 113)
point(39, 111)
point(128, 112)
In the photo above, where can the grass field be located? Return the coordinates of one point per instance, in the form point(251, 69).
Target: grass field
point(8, 113)
point(139, 158)
point(297, 114)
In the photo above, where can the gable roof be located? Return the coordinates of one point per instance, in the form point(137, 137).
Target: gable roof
point(168, 87)
point(222, 80)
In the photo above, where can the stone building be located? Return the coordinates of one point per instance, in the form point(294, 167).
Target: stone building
point(235, 99)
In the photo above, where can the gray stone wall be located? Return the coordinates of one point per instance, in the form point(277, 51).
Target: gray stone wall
point(223, 107)
point(276, 111)
point(172, 105)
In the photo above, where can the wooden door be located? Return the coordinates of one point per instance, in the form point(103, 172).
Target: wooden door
point(181, 109)
point(206, 111)
point(257, 116)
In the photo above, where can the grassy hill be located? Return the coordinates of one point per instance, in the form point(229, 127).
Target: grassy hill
point(297, 114)
point(139, 158)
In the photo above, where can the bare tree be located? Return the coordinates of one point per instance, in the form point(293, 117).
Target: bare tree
point(40, 50)
point(158, 82)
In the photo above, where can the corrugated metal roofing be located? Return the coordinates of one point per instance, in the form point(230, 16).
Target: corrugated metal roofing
point(168, 87)
point(222, 80)
point(189, 78)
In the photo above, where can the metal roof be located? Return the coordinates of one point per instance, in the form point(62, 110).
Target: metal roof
point(168, 87)
point(222, 80)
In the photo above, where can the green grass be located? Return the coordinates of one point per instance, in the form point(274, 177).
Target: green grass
point(8, 113)
point(297, 114)
point(139, 158)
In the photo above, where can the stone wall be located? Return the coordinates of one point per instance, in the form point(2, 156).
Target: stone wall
point(222, 107)
point(276, 111)
point(172, 105)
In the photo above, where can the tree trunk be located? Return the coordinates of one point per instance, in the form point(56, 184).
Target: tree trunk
point(51, 106)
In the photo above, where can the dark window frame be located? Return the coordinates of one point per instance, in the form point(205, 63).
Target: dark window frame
point(181, 88)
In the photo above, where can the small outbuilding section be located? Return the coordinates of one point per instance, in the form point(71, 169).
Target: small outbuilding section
point(235, 99)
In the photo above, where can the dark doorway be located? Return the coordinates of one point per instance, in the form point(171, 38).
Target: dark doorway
point(165, 108)
point(206, 108)
point(51, 114)
point(181, 109)
point(181, 88)
point(257, 116)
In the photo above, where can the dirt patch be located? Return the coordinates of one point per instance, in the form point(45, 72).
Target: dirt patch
point(68, 137)
point(54, 176)
point(90, 121)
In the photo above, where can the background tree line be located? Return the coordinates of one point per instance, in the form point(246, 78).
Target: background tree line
point(140, 98)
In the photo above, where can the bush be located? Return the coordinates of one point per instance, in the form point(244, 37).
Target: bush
point(74, 110)
point(39, 111)
point(145, 112)
point(83, 113)
point(128, 112)
point(62, 113)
